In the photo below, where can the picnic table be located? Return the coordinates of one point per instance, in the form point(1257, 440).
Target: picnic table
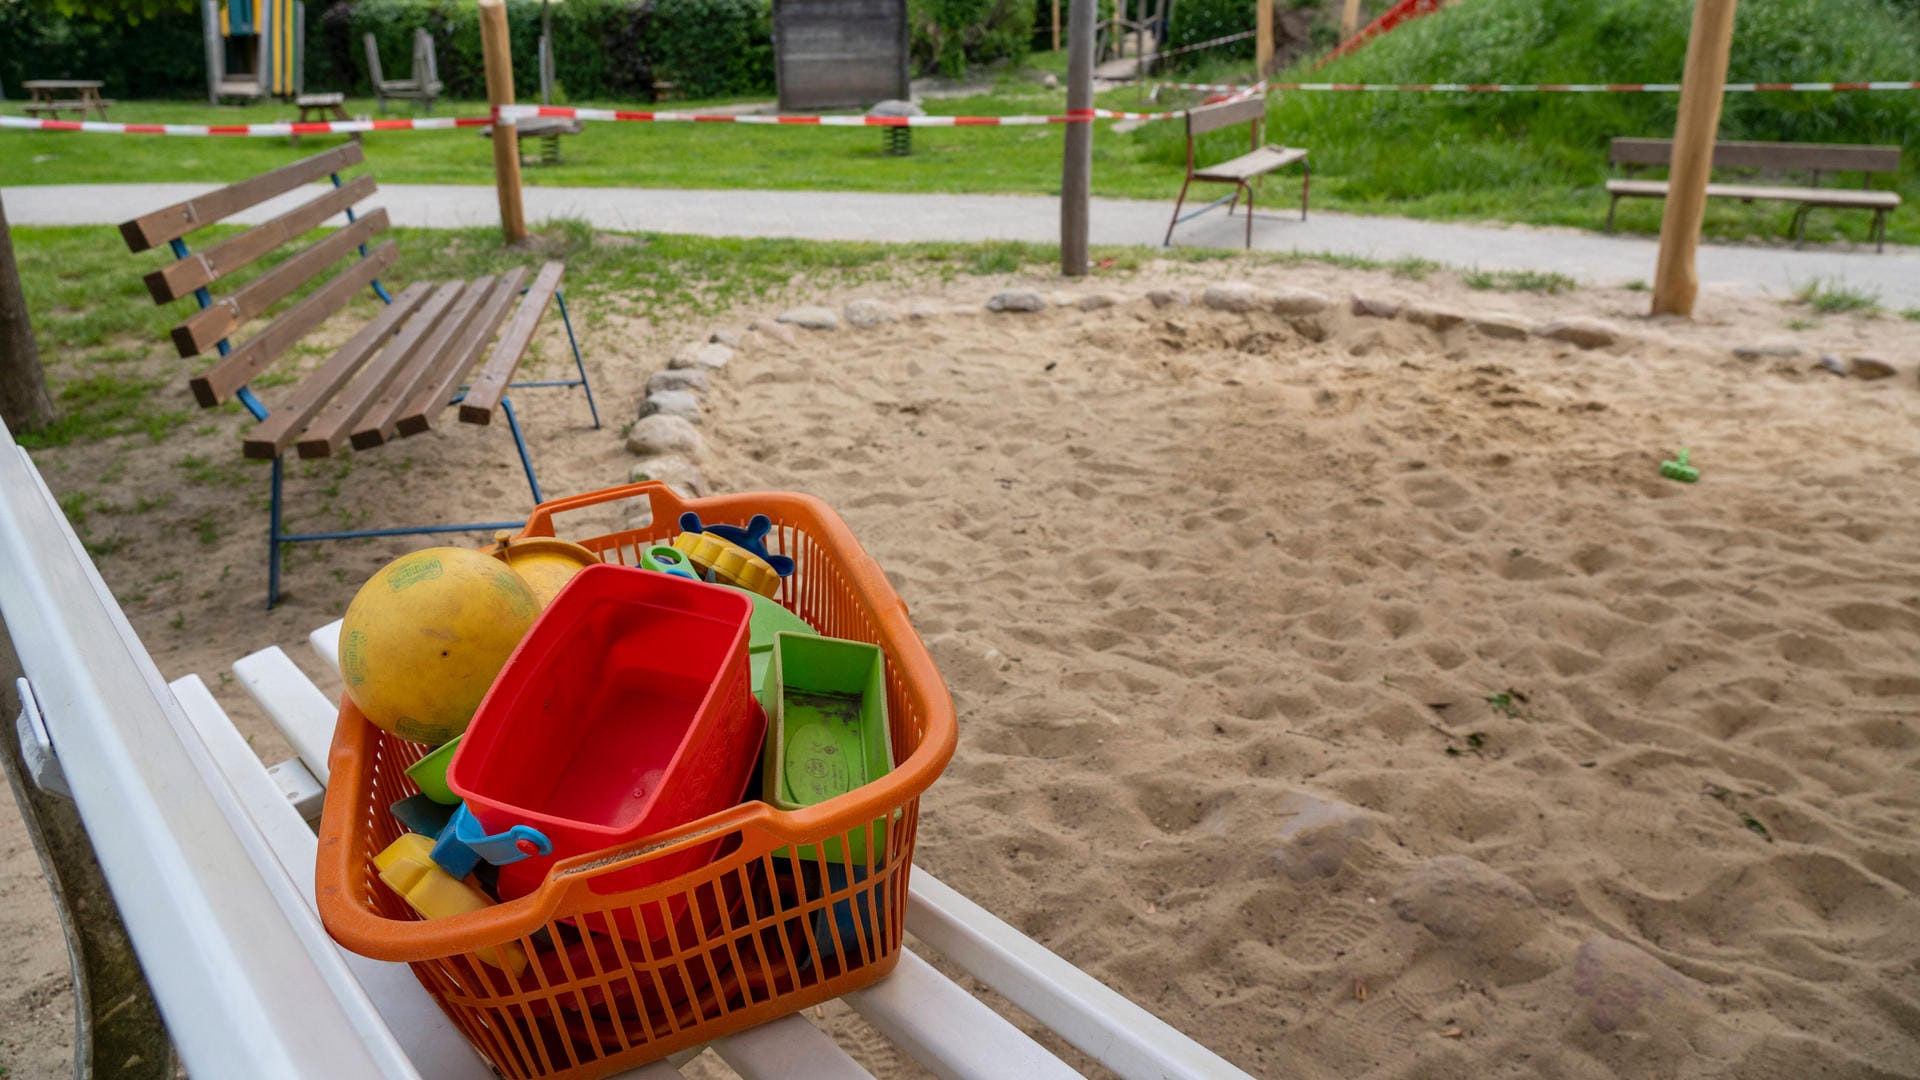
point(81, 95)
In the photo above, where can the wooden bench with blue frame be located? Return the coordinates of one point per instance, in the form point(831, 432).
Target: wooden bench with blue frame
point(393, 378)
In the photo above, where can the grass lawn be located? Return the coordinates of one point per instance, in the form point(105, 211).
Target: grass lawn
point(1533, 159)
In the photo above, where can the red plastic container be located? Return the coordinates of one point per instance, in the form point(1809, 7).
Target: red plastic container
point(626, 711)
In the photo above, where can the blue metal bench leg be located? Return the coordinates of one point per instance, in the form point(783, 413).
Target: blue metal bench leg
point(273, 538)
point(579, 365)
point(520, 443)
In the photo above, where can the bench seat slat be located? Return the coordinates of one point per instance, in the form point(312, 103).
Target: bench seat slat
point(459, 359)
point(949, 1030)
point(180, 278)
point(173, 222)
point(382, 419)
point(271, 437)
point(1840, 197)
point(218, 382)
point(208, 325)
point(1264, 160)
point(328, 431)
point(491, 385)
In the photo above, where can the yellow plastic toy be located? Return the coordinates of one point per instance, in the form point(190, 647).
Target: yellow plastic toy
point(408, 869)
point(544, 563)
point(727, 562)
point(424, 638)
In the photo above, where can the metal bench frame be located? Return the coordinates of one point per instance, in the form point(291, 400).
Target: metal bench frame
point(277, 536)
point(1253, 112)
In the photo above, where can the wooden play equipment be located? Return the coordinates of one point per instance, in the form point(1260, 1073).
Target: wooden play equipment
point(831, 54)
point(1814, 158)
point(1240, 171)
point(254, 48)
point(1076, 155)
point(424, 83)
point(1709, 43)
point(394, 377)
point(1145, 21)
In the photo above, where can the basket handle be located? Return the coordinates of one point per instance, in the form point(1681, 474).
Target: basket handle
point(667, 505)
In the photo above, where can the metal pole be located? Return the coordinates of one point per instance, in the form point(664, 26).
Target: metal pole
point(498, 57)
point(1076, 167)
point(1675, 283)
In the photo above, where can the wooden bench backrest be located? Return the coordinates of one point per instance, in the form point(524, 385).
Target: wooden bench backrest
point(224, 316)
point(1225, 114)
point(1825, 157)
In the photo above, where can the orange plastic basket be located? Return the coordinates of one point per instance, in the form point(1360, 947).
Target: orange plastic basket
point(756, 933)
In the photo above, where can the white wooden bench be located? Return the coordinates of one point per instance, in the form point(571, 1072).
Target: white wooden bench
point(211, 856)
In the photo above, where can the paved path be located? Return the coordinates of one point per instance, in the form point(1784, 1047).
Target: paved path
point(829, 215)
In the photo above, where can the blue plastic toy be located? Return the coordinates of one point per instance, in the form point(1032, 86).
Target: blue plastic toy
point(464, 842)
point(753, 538)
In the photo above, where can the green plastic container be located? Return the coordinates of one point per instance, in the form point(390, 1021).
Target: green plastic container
point(429, 774)
point(769, 618)
point(827, 730)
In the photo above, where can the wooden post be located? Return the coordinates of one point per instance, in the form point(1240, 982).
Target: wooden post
point(1056, 25)
point(1262, 38)
point(498, 56)
point(1675, 284)
point(1076, 166)
point(1349, 20)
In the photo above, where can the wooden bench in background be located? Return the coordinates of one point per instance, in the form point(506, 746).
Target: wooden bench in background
point(1257, 162)
point(395, 377)
point(1812, 158)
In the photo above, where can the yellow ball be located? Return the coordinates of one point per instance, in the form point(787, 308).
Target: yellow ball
point(425, 637)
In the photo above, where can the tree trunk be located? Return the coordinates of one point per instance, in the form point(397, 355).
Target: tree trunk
point(24, 404)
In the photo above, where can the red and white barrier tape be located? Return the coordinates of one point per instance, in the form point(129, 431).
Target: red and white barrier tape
point(514, 113)
point(1198, 45)
point(1547, 88)
point(317, 127)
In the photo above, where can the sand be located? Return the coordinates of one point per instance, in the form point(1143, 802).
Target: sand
point(1354, 695)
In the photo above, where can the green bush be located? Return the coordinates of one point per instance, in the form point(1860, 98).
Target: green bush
point(163, 56)
point(1195, 21)
point(605, 49)
point(947, 36)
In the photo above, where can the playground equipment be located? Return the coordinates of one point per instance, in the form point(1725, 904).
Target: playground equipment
point(254, 48)
point(830, 54)
point(424, 85)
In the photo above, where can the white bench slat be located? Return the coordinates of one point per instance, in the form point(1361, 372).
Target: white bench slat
point(301, 790)
point(789, 1048)
point(432, 1043)
point(326, 643)
point(1086, 1012)
point(294, 704)
point(951, 1032)
point(245, 990)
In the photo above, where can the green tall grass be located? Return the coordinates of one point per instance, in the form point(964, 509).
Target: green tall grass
point(1543, 157)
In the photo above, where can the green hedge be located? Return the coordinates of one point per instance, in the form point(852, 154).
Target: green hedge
point(162, 57)
point(947, 36)
point(603, 49)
